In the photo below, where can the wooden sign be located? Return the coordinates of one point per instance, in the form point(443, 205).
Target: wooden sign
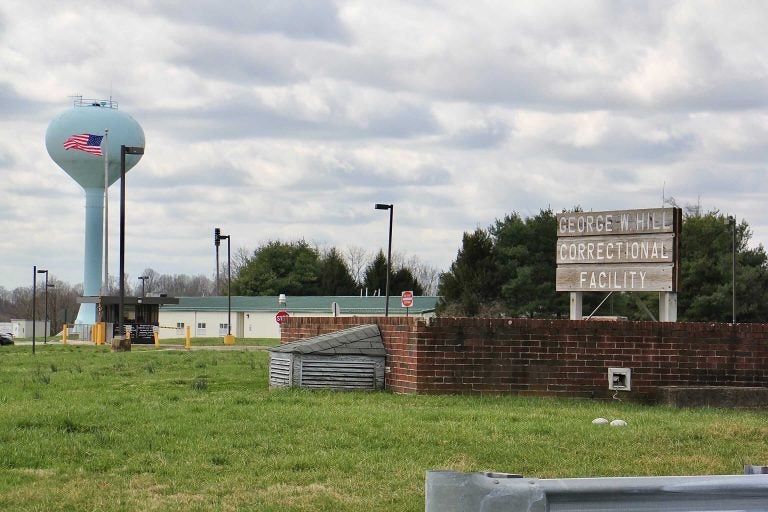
point(626, 278)
point(619, 222)
point(621, 250)
point(617, 249)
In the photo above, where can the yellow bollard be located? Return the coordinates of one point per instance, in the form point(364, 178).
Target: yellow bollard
point(157, 339)
point(64, 334)
point(188, 343)
point(229, 339)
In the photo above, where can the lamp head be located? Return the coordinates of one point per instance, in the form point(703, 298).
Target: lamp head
point(380, 206)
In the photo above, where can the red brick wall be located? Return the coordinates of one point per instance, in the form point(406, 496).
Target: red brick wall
point(556, 357)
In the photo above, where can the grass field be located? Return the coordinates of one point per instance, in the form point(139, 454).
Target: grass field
point(251, 342)
point(82, 428)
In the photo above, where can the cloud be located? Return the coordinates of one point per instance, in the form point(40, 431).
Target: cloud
point(300, 114)
point(301, 19)
point(291, 119)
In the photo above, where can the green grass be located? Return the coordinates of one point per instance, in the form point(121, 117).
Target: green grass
point(252, 342)
point(82, 428)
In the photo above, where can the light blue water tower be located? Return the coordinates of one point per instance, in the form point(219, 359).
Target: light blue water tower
point(73, 142)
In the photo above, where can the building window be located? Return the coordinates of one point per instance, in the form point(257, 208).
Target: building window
point(200, 329)
point(179, 328)
point(223, 329)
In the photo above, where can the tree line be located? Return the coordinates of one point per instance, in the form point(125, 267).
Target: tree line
point(297, 268)
point(294, 268)
point(509, 268)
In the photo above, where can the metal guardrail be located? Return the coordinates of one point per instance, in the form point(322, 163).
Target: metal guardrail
point(448, 491)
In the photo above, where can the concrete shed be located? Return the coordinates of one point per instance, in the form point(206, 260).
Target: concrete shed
point(348, 359)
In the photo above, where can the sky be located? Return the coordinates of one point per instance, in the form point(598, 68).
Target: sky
point(290, 119)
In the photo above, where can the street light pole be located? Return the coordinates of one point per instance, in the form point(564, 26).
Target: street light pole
point(391, 208)
point(34, 304)
point(733, 269)
point(47, 322)
point(142, 279)
point(46, 304)
point(124, 150)
point(217, 243)
point(229, 284)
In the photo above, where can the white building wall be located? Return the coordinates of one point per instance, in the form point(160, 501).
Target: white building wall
point(23, 328)
point(250, 324)
point(212, 327)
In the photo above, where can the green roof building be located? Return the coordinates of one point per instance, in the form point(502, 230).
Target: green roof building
point(255, 317)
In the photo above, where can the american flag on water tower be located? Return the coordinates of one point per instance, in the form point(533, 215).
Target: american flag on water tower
point(85, 142)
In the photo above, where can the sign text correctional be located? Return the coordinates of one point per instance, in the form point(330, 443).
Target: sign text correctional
point(624, 250)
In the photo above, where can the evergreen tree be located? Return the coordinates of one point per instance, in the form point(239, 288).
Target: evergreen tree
point(472, 281)
point(279, 267)
point(403, 280)
point(335, 277)
point(399, 281)
point(706, 250)
point(375, 275)
point(525, 253)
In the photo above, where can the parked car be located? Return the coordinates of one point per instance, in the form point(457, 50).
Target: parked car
point(6, 338)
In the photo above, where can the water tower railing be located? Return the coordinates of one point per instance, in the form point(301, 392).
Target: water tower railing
point(79, 101)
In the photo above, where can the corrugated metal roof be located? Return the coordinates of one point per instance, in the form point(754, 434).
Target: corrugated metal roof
point(268, 303)
point(359, 340)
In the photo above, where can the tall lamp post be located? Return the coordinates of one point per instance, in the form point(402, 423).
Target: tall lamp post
point(732, 223)
point(391, 208)
point(217, 238)
point(47, 322)
point(217, 243)
point(142, 279)
point(124, 150)
point(34, 304)
point(46, 307)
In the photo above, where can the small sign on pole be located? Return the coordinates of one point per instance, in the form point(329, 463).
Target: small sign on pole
point(406, 299)
point(280, 316)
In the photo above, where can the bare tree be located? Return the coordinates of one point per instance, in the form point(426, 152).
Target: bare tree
point(240, 259)
point(357, 259)
point(425, 274)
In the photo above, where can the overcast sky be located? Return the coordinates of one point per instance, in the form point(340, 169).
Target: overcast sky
point(291, 118)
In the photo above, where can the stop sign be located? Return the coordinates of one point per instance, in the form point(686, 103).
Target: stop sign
point(280, 316)
point(406, 299)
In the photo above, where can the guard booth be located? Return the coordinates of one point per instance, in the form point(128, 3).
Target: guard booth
point(141, 315)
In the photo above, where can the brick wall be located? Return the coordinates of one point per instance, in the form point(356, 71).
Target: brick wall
point(556, 357)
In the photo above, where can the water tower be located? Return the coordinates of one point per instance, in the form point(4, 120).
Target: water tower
point(85, 141)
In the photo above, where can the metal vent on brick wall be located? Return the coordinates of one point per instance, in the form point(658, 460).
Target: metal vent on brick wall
point(348, 359)
point(338, 374)
point(280, 372)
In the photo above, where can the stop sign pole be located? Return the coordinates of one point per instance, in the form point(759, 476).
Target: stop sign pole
point(406, 301)
point(280, 316)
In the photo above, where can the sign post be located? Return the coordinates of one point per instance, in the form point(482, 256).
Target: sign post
point(406, 301)
point(280, 316)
